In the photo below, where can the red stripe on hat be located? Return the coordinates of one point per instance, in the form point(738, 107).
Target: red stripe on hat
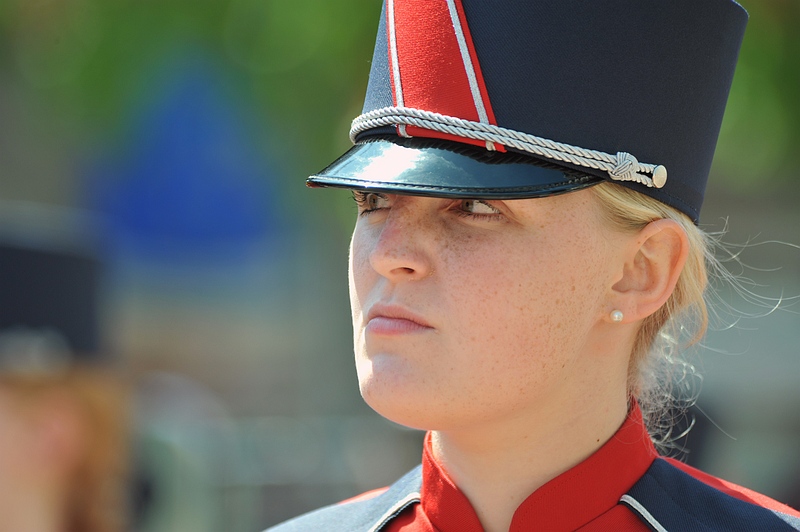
point(432, 72)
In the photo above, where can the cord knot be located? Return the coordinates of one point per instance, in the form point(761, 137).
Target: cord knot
point(625, 167)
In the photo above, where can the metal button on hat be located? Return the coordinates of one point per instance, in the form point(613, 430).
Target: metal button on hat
point(622, 90)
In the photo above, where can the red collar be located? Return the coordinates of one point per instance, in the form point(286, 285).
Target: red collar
point(567, 502)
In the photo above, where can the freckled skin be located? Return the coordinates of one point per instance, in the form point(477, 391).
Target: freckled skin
point(512, 302)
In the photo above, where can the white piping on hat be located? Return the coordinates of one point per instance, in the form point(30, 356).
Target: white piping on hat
point(398, 85)
point(469, 68)
point(621, 166)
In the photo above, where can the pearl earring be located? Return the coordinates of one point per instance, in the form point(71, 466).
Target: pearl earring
point(617, 316)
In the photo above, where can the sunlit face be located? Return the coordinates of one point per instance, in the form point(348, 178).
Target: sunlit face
point(470, 310)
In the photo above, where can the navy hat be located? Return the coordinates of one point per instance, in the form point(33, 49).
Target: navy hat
point(49, 312)
point(527, 98)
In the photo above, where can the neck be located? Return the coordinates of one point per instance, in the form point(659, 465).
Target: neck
point(498, 465)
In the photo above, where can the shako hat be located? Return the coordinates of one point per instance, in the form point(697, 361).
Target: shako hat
point(526, 98)
point(49, 289)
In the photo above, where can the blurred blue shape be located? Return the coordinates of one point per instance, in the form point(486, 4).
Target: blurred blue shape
point(191, 184)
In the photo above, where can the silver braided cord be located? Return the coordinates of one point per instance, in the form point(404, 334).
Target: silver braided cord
point(620, 167)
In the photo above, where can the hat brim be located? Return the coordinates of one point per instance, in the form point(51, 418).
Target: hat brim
point(440, 168)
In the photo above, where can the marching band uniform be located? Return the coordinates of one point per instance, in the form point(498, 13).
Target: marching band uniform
point(528, 98)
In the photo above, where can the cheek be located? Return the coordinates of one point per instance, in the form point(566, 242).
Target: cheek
point(361, 280)
point(526, 305)
point(358, 272)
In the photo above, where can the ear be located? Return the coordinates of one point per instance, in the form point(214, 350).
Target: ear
point(653, 263)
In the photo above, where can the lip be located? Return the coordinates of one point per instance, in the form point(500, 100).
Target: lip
point(389, 320)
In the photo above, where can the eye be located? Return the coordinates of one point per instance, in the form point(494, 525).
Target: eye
point(477, 208)
point(370, 201)
point(375, 201)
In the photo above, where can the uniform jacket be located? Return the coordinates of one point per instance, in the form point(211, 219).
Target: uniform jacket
point(624, 486)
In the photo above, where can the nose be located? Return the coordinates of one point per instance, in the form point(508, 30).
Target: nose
point(401, 250)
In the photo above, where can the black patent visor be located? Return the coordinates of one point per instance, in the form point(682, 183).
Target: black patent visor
point(440, 168)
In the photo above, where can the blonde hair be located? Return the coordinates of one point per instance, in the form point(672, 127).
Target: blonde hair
point(657, 363)
point(98, 500)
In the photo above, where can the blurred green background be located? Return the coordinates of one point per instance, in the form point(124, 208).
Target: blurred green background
point(183, 131)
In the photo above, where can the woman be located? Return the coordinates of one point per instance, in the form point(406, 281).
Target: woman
point(519, 278)
point(63, 412)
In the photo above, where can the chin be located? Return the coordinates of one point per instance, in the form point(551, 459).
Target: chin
point(398, 400)
point(406, 415)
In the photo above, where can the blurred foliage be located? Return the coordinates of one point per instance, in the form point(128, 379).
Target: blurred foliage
point(760, 137)
point(305, 63)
